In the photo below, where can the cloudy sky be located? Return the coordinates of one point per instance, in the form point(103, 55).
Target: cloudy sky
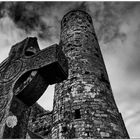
point(117, 25)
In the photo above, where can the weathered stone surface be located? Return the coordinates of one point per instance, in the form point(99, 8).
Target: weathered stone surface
point(21, 111)
point(85, 100)
point(26, 74)
point(40, 122)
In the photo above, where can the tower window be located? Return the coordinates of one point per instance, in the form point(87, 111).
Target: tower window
point(87, 72)
point(87, 133)
point(69, 89)
point(64, 129)
point(77, 114)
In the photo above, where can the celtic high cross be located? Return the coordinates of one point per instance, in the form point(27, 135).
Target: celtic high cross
point(24, 76)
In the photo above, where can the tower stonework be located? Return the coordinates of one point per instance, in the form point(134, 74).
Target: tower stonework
point(84, 106)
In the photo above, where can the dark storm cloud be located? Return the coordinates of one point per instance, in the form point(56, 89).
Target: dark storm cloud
point(107, 16)
point(29, 15)
point(26, 16)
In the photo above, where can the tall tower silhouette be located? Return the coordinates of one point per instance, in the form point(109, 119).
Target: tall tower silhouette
point(84, 106)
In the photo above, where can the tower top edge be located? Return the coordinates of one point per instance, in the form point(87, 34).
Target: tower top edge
point(75, 11)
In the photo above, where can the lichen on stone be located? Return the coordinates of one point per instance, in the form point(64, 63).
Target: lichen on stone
point(11, 121)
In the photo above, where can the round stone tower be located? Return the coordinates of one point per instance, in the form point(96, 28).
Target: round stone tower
point(84, 106)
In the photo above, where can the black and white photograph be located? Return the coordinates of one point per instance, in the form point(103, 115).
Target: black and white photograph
point(69, 70)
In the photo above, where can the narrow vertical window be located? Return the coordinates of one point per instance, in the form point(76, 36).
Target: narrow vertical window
point(77, 114)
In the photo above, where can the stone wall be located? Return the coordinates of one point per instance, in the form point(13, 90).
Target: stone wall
point(84, 105)
point(17, 128)
point(40, 122)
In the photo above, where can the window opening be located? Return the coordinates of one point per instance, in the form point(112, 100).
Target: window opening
point(64, 129)
point(87, 134)
point(77, 114)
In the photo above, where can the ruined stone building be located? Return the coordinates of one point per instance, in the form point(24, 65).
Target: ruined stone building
point(83, 106)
